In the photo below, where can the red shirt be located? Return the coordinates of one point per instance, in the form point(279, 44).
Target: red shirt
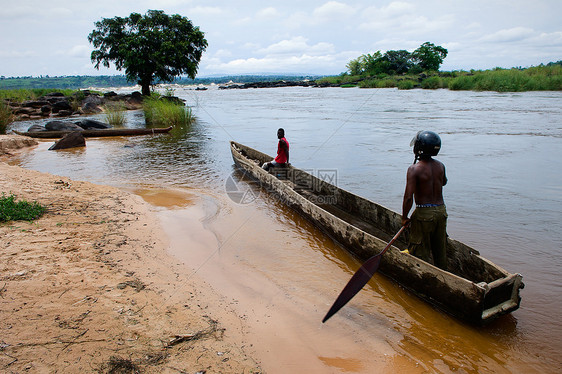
point(281, 154)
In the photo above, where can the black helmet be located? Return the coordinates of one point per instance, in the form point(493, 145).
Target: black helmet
point(426, 143)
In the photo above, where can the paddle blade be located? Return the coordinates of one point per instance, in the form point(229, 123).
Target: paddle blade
point(355, 284)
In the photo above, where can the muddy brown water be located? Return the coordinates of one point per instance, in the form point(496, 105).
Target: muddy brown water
point(281, 274)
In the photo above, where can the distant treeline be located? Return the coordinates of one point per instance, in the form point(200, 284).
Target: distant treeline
point(81, 82)
point(537, 78)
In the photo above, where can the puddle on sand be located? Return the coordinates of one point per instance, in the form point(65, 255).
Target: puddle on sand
point(166, 198)
point(344, 364)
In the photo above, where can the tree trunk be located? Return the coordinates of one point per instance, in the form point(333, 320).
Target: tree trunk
point(145, 85)
point(145, 89)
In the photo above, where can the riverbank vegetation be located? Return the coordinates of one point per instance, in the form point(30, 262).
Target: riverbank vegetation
point(22, 94)
point(166, 111)
point(420, 69)
point(115, 114)
point(538, 78)
point(159, 109)
point(12, 210)
point(6, 117)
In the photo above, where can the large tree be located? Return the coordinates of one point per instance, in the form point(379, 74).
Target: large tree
point(429, 56)
point(398, 61)
point(152, 47)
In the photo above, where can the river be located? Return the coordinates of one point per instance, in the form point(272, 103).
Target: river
point(502, 152)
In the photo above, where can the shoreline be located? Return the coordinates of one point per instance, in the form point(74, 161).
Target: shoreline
point(90, 286)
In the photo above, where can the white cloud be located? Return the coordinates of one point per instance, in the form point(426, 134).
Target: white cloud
point(9, 54)
point(267, 13)
point(549, 39)
point(80, 51)
point(333, 10)
point(391, 11)
point(33, 13)
point(297, 45)
point(205, 11)
point(222, 53)
point(271, 64)
point(251, 46)
point(509, 35)
point(297, 20)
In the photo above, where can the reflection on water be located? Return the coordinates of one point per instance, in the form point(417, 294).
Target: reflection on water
point(504, 197)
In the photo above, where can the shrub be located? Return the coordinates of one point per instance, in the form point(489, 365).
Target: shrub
point(377, 83)
point(432, 83)
point(339, 79)
point(6, 117)
point(10, 210)
point(405, 85)
point(386, 83)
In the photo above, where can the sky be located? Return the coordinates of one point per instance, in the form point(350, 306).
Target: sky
point(290, 36)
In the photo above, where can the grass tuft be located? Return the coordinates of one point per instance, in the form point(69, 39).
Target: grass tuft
point(405, 85)
point(12, 210)
point(159, 111)
point(115, 114)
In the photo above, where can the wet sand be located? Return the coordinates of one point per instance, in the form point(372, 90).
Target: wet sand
point(90, 287)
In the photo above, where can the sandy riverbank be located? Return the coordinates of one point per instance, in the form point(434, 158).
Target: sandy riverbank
point(90, 287)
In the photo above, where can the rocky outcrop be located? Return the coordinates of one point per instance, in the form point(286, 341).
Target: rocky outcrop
point(55, 104)
point(10, 143)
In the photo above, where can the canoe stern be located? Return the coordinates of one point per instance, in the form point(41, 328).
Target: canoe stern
point(502, 297)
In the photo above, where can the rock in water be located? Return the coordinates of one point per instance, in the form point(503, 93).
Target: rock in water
point(70, 140)
point(62, 126)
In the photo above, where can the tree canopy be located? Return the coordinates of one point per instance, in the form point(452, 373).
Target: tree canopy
point(428, 57)
point(152, 47)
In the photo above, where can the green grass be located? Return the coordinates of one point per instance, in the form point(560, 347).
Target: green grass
point(378, 83)
point(432, 83)
point(12, 210)
point(115, 114)
point(6, 117)
point(406, 84)
point(340, 79)
point(539, 78)
point(20, 95)
point(161, 112)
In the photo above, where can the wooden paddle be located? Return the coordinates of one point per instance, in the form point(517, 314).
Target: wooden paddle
point(359, 279)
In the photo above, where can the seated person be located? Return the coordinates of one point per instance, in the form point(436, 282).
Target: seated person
point(282, 159)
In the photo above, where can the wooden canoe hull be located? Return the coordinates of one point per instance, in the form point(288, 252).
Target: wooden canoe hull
point(474, 289)
point(96, 133)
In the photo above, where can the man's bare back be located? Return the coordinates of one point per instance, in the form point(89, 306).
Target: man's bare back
point(424, 184)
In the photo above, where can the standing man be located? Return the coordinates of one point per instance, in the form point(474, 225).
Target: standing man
point(424, 185)
point(282, 158)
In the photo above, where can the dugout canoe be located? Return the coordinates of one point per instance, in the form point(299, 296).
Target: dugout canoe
point(473, 289)
point(96, 133)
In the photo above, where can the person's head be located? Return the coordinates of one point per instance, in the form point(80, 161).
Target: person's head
point(426, 144)
point(280, 133)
